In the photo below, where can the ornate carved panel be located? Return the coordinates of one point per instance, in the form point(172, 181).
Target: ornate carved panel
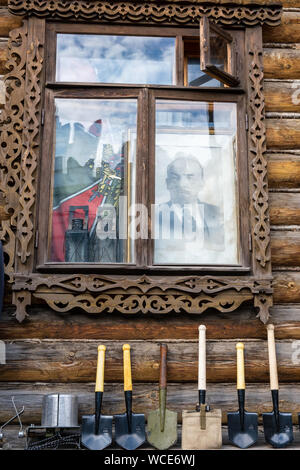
point(148, 12)
point(11, 140)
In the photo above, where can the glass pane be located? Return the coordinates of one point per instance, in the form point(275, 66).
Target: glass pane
point(198, 78)
point(94, 180)
point(115, 59)
point(195, 216)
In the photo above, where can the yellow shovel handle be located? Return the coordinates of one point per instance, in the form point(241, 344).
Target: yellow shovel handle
point(240, 366)
point(127, 368)
point(100, 369)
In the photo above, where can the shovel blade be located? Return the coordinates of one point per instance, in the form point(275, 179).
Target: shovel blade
point(94, 441)
point(246, 436)
point(130, 439)
point(162, 439)
point(278, 436)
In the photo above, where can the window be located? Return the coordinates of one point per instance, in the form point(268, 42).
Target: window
point(145, 150)
point(133, 158)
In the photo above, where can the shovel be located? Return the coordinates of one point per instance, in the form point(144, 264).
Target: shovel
point(202, 429)
point(129, 426)
point(162, 423)
point(278, 427)
point(242, 425)
point(96, 431)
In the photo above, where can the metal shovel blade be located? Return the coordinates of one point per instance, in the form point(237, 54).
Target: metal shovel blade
point(280, 435)
point(103, 438)
point(162, 439)
point(242, 433)
point(133, 438)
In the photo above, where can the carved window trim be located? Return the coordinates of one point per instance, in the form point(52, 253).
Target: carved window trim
point(20, 153)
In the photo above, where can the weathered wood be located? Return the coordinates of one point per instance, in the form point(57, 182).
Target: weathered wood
point(46, 324)
point(285, 248)
point(287, 32)
point(286, 287)
point(282, 96)
point(284, 171)
point(282, 63)
point(283, 133)
point(284, 208)
point(75, 361)
point(8, 22)
point(145, 398)
point(3, 57)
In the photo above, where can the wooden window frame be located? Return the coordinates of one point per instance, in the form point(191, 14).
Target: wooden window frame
point(146, 290)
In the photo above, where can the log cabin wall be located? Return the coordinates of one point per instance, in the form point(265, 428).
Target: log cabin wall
point(49, 352)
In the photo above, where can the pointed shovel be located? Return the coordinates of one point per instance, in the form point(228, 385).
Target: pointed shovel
point(202, 429)
point(96, 431)
point(278, 427)
point(162, 423)
point(129, 426)
point(242, 425)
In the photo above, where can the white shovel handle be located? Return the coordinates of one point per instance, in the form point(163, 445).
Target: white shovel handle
point(202, 358)
point(272, 358)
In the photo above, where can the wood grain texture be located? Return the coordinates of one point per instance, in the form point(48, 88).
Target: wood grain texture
point(145, 398)
point(283, 133)
point(284, 171)
point(287, 287)
point(243, 324)
point(8, 22)
point(287, 32)
point(282, 96)
point(70, 361)
point(282, 63)
point(284, 208)
point(285, 248)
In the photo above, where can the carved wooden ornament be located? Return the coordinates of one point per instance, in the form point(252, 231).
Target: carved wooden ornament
point(19, 164)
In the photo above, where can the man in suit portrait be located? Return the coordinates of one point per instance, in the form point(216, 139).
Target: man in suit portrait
point(185, 222)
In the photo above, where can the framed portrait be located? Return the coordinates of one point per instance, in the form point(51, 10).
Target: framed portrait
point(196, 214)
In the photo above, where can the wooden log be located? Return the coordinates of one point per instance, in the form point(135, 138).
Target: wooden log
point(282, 96)
point(287, 32)
point(3, 57)
point(287, 287)
point(8, 22)
point(75, 361)
point(282, 63)
point(284, 208)
point(285, 248)
point(283, 170)
point(45, 324)
point(145, 398)
point(283, 133)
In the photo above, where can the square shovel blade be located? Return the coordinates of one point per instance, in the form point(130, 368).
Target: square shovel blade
point(278, 436)
point(195, 438)
point(134, 438)
point(94, 441)
point(245, 436)
point(162, 439)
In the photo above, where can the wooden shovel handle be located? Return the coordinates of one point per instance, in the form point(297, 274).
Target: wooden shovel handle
point(163, 366)
point(202, 358)
point(272, 358)
point(127, 368)
point(99, 387)
point(240, 367)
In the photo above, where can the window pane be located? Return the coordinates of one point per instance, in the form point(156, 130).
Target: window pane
point(94, 180)
point(195, 183)
point(115, 59)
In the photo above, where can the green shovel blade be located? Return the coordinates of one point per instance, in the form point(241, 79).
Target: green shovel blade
point(158, 438)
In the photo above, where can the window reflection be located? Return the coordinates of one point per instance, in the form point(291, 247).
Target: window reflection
point(94, 167)
point(195, 183)
point(115, 59)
